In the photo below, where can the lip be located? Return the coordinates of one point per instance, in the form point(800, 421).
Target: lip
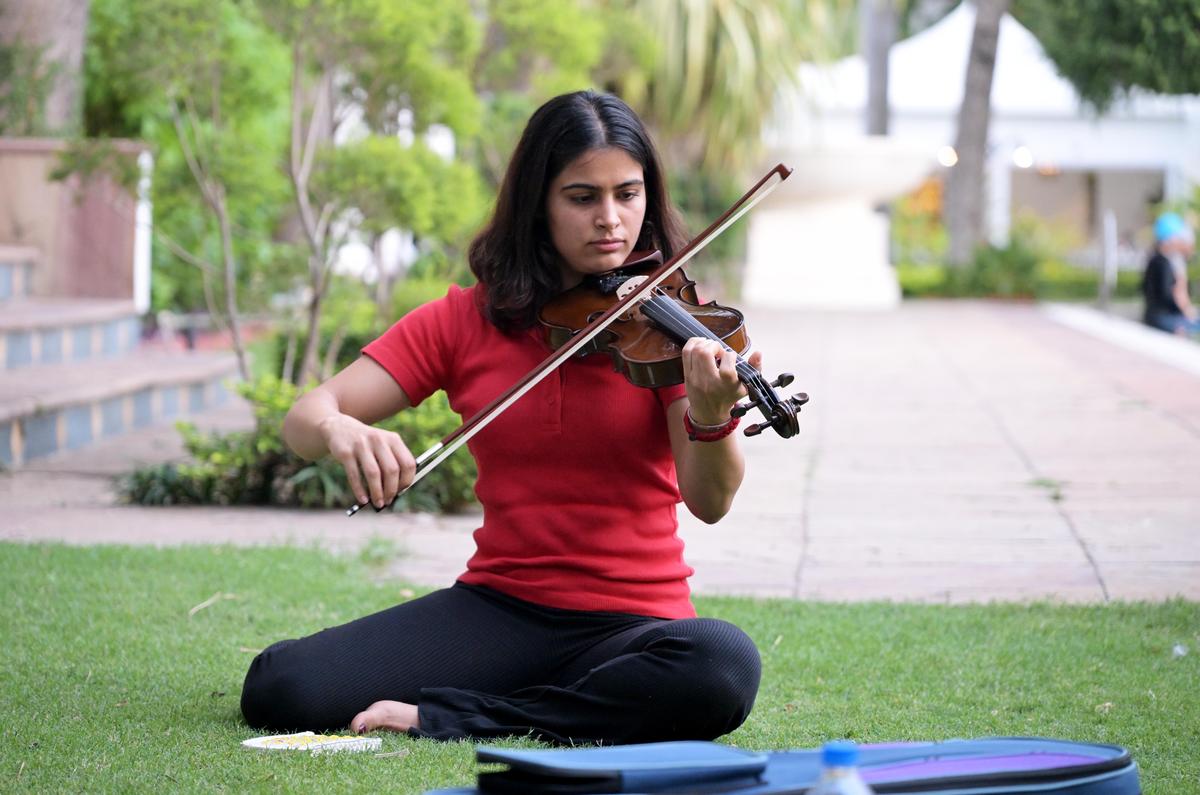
point(608, 244)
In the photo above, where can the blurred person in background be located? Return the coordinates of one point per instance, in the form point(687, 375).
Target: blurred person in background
point(1165, 284)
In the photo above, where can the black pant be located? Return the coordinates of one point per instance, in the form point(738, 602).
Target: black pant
point(481, 664)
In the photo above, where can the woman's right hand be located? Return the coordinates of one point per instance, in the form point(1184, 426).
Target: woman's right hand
point(378, 464)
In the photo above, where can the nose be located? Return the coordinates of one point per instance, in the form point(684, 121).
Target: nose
point(606, 215)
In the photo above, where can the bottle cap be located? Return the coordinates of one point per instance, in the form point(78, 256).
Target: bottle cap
point(841, 753)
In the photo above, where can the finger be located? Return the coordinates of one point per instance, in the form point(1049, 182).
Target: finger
point(755, 360)
point(408, 464)
point(727, 364)
point(350, 464)
point(701, 357)
point(389, 467)
point(371, 471)
point(687, 358)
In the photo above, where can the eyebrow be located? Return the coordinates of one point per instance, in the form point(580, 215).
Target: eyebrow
point(585, 186)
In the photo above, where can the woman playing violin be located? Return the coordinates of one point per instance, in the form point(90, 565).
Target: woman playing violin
point(572, 621)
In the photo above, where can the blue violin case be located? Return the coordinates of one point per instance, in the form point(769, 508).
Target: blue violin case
point(989, 766)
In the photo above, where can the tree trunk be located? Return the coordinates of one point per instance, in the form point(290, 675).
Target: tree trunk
point(308, 120)
point(230, 271)
point(312, 345)
point(383, 284)
point(58, 28)
point(877, 25)
point(328, 367)
point(965, 184)
point(288, 371)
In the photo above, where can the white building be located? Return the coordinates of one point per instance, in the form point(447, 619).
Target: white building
point(1049, 153)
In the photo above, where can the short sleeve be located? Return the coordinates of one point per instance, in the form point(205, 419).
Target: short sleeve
point(419, 350)
point(669, 394)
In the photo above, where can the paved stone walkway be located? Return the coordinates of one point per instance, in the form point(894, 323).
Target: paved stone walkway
point(952, 451)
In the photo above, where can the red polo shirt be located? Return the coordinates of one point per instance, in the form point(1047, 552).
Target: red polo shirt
point(576, 479)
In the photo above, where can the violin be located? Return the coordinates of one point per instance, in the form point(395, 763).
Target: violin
point(646, 342)
point(638, 291)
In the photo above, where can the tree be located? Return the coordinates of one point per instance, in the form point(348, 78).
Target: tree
point(1106, 48)
point(378, 184)
point(718, 68)
point(964, 186)
point(878, 20)
point(201, 79)
point(533, 50)
point(383, 58)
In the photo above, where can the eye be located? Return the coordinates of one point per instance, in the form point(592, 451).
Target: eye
point(580, 198)
point(629, 195)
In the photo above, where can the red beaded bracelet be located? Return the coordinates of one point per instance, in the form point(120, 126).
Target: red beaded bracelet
point(711, 433)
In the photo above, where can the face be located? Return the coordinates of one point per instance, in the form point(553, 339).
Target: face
point(1180, 244)
point(595, 208)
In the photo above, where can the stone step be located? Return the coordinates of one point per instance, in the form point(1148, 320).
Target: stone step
point(53, 408)
point(16, 271)
point(36, 331)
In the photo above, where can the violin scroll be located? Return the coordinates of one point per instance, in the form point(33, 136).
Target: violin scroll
point(780, 414)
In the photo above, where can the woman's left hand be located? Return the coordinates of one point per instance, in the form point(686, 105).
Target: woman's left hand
point(710, 375)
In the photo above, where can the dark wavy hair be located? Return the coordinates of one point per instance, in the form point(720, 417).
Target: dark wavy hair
point(513, 257)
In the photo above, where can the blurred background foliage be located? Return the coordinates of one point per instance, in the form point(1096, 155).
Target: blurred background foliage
point(284, 129)
point(255, 467)
point(244, 74)
point(385, 116)
point(703, 76)
point(1107, 49)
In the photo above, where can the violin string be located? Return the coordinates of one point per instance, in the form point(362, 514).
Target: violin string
point(663, 310)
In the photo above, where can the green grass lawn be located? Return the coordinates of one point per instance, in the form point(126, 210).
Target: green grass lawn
point(107, 684)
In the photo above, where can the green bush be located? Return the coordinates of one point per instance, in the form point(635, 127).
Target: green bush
point(1007, 272)
point(1058, 281)
point(255, 467)
point(919, 280)
point(1053, 280)
point(350, 310)
point(918, 235)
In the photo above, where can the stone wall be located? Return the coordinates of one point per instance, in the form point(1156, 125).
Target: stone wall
point(84, 230)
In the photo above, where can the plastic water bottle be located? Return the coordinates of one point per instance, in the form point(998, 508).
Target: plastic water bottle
point(839, 771)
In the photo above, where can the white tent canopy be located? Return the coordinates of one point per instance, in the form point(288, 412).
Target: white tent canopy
point(927, 76)
point(1033, 108)
point(1048, 154)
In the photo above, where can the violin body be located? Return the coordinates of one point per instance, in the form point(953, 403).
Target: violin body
point(638, 347)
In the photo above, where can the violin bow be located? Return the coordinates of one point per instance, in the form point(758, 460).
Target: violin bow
point(428, 460)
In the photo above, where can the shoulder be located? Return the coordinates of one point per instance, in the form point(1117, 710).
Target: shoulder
point(459, 305)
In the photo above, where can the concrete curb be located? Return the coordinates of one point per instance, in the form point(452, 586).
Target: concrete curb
point(1130, 335)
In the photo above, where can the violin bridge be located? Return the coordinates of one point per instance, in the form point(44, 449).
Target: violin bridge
point(625, 288)
point(629, 285)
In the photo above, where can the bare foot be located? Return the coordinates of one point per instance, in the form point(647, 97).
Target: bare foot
point(394, 716)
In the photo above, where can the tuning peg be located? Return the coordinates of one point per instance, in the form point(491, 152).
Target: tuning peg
point(740, 409)
point(783, 380)
point(798, 399)
point(755, 429)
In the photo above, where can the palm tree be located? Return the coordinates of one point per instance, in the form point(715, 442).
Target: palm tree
point(877, 23)
point(720, 65)
point(964, 187)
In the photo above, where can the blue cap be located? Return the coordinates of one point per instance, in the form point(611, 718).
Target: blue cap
point(1169, 225)
point(841, 753)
